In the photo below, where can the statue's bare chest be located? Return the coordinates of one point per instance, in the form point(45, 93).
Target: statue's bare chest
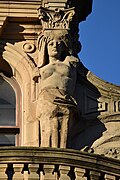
point(54, 69)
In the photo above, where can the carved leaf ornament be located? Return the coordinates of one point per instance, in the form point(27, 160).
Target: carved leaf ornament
point(55, 19)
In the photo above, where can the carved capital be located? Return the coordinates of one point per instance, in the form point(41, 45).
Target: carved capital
point(55, 19)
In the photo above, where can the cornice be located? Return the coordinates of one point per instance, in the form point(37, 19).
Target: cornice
point(104, 87)
point(83, 8)
point(28, 8)
point(52, 4)
point(17, 9)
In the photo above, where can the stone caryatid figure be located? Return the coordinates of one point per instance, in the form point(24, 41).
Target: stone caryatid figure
point(56, 107)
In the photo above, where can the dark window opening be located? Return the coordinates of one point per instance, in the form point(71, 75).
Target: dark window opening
point(8, 124)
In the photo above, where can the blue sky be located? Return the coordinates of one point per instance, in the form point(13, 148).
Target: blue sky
point(100, 39)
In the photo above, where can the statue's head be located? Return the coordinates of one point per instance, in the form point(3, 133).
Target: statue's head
point(53, 43)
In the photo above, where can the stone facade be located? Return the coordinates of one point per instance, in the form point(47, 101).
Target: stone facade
point(97, 128)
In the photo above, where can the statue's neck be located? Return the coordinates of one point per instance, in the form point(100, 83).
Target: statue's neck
point(53, 60)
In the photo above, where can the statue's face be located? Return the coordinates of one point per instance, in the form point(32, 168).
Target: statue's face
point(55, 48)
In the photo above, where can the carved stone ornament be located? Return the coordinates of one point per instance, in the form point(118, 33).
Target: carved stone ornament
point(55, 19)
point(28, 47)
point(113, 153)
point(57, 110)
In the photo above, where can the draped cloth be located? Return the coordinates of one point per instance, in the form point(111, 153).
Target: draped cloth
point(57, 113)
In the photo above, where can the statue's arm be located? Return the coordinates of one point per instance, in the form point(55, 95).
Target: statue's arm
point(36, 73)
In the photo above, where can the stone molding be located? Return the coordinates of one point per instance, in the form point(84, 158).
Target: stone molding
point(63, 157)
point(106, 88)
point(3, 21)
point(27, 10)
point(17, 9)
point(109, 101)
point(53, 4)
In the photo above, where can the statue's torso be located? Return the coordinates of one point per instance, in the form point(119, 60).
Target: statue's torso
point(59, 75)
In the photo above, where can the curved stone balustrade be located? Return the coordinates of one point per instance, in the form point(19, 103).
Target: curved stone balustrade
point(53, 163)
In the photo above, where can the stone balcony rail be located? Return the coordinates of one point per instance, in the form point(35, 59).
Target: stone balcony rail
point(55, 164)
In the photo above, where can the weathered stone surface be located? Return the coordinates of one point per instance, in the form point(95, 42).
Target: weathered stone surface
point(22, 58)
point(56, 106)
point(65, 163)
point(59, 102)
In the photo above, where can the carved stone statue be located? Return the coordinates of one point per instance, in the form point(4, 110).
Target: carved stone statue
point(56, 107)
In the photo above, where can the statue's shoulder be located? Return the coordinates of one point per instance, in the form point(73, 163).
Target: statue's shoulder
point(72, 60)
